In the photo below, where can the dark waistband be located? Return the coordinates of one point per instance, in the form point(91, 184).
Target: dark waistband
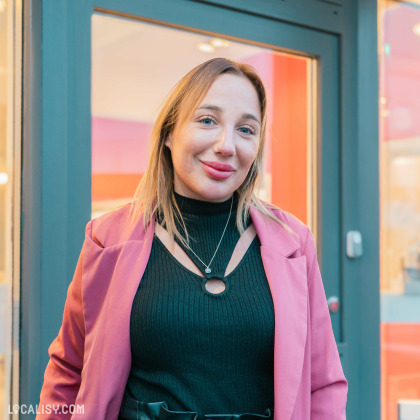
point(132, 409)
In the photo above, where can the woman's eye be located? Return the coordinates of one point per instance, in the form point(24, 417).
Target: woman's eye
point(206, 121)
point(247, 130)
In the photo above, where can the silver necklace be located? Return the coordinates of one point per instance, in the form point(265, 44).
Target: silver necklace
point(208, 269)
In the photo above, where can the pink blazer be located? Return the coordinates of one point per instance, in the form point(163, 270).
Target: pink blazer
point(90, 359)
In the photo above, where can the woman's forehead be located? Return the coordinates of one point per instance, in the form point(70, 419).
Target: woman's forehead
point(230, 90)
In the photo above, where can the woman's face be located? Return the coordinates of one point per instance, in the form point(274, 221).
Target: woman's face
point(214, 149)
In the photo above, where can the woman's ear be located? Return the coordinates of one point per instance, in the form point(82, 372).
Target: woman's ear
point(168, 141)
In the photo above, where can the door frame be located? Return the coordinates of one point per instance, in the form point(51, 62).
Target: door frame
point(56, 166)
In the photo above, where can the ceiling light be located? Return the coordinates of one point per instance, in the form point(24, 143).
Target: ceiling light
point(3, 178)
point(204, 47)
point(2, 5)
point(383, 100)
point(219, 43)
point(402, 161)
point(416, 29)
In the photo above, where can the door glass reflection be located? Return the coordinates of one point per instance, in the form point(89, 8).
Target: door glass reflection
point(135, 64)
point(10, 209)
point(400, 209)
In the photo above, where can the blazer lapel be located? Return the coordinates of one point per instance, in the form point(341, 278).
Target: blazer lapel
point(287, 279)
point(118, 271)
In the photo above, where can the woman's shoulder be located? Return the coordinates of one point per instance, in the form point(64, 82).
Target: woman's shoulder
point(287, 230)
point(290, 219)
point(115, 227)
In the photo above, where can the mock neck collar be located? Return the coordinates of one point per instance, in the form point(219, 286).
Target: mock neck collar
point(192, 206)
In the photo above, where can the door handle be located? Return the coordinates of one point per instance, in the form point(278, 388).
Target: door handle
point(354, 244)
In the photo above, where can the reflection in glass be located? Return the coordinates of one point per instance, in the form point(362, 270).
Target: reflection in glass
point(10, 140)
point(4, 179)
point(400, 209)
point(135, 64)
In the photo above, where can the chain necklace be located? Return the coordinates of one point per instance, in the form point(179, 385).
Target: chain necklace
point(208, 269)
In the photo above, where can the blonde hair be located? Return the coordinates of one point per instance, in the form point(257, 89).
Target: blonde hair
point(155, 191)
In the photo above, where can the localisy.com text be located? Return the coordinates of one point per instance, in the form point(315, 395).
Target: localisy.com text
point(46, 409)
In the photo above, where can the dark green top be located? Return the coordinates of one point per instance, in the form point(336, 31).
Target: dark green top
point(199, 351)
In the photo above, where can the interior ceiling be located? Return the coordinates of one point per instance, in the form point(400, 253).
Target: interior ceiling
point(135, 64)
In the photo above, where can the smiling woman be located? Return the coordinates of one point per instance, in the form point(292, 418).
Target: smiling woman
point(209, 140)
point(198, 299)
point(218, 142)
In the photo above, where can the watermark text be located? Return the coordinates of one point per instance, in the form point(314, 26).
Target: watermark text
point(46, 409)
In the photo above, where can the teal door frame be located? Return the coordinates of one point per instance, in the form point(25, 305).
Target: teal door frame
point(56, 192)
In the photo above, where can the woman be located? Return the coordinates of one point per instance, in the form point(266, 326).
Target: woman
point(198, 300)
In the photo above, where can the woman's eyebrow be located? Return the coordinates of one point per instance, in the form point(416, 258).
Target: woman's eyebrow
point(211, 107)
point(218, 109)
point(251, 117)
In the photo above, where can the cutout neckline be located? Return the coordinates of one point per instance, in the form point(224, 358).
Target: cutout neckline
point(242, 247)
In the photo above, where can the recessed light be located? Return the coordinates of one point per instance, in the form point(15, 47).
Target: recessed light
point(3, 178)
point(204, 47)
point(416, 29)
point(2, 5)
point(219, 43)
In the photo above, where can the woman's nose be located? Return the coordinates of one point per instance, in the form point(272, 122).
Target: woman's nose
point(225, 142)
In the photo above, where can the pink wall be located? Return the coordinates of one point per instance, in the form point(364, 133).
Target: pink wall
point(119, 146)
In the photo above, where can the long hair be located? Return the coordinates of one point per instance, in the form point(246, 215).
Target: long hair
point(155, 191)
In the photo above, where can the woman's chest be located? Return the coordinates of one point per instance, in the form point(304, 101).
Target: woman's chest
point(172, 308)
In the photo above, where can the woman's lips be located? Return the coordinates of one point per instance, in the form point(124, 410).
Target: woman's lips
point(217, 173)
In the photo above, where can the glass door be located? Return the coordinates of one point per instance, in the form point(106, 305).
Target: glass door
point(10, 184)
point(136, 60)
point(400, 209)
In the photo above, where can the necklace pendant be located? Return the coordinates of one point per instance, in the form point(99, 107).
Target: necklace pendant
point(208, 270)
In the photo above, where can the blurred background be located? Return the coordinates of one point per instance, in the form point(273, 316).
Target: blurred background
point(399, 104)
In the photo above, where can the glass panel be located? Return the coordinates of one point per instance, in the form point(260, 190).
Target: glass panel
point(4, 177)
point(10, 140)
point(134, 66)
point(400, 209)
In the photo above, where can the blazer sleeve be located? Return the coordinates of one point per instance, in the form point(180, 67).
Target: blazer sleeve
point(328, 384)
point(62, 376)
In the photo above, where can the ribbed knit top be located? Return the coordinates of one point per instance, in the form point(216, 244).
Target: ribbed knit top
point(196, 350)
